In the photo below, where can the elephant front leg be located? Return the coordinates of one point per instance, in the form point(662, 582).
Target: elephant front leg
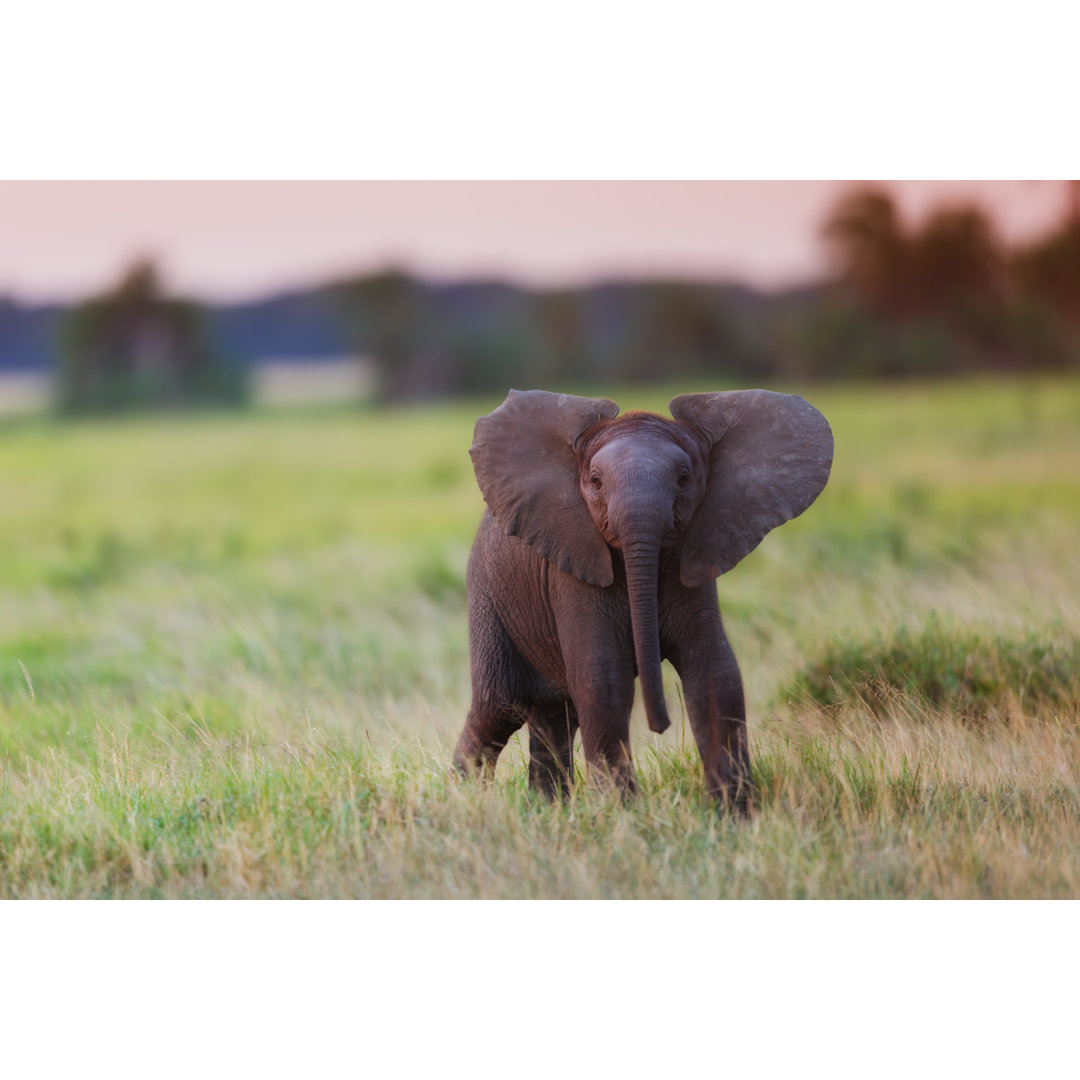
point(551, 749)
point(713, 692)
point(718, 719)
point(598, 665)
point(604, 696)
point(720, 734)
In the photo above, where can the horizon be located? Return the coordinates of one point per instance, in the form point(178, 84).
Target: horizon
point(233, 242)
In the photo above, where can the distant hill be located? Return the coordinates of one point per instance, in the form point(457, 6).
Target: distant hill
point(28, 335)
point(319, 323)
point(302, 325)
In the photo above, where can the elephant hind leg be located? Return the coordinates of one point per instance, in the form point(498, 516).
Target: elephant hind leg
point(487, 731)
point(501, 691)
point(551, 749)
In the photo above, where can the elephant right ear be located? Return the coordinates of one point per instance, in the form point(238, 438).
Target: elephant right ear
point(769, 458)
point(524, 457)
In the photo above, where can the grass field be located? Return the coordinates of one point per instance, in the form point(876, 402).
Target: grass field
point(233, 663)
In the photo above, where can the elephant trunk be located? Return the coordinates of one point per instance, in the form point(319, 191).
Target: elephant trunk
point(642, 559)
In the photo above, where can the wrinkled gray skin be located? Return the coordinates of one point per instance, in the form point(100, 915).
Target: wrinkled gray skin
point(596, 558)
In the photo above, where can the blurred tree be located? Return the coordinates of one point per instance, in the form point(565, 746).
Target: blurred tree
point(869, 249)
point(959, 279)
point(955, 260)
point(681, 329)
point(840, 337)
point(562, 328)
point(1048, 269)
point(495, 355)
point(133, 348)
point(385, 314)
point(940, 298)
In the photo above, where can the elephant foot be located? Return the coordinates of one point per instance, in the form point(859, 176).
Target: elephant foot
point(472, 761)
point(735, 797)
point(619, 779)
point(551, 783)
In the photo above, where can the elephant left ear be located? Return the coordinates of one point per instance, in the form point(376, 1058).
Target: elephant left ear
point(524, 455)
point(769, 459)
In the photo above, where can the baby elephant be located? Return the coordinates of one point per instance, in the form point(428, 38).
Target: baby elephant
point(595, 560)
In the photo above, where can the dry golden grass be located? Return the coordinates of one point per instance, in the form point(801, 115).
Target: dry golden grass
point(234, 664)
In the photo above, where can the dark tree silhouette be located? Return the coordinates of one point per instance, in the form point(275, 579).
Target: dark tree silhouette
point(133, 348)
point(562, 328)
point(955, 259)
point(939, 298)
point(869, 249)
point(680, 329)
point(389, 318)
point(1048, 269)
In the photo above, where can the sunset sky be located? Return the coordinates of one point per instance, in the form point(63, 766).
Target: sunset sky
point(236, 240)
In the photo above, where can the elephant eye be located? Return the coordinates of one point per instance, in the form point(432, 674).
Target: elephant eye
point(684, 479)
point(596, 482)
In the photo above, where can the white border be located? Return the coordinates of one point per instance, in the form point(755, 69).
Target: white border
point(563, 89)
point(534, 989)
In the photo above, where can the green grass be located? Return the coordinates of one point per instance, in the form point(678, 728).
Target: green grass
point(973, 676)
point(233, 662)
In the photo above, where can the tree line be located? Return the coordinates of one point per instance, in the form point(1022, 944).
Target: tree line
point(945, 295)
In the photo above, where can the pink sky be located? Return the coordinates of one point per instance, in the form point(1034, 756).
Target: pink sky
point(240, 239)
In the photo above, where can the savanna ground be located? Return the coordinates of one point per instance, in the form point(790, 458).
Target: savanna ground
point(233, 663)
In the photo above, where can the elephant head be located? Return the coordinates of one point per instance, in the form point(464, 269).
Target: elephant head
point(575, 480)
